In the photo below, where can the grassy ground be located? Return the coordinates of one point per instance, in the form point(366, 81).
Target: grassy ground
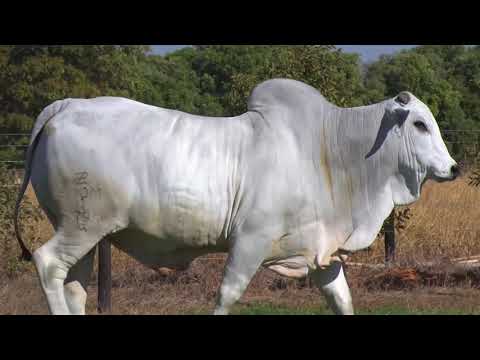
point(444, 225)
point(265, 309)
point(144, 293)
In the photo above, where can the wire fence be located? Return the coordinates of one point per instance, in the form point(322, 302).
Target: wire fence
point(13, 147)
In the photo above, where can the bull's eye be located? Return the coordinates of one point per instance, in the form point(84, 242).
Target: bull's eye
point(420, 126)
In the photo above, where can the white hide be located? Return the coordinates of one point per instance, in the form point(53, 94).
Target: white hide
point(287, 184)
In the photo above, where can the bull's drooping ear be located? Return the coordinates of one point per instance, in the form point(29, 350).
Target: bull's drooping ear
point(392, 120)
point(400, 115)
point(403, 98)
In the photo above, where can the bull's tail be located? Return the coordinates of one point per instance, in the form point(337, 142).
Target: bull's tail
point(45, 116)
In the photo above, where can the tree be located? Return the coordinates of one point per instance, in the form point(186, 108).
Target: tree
point(172, 83)
point(34, 76)
point(335, 74)
point(215, 66)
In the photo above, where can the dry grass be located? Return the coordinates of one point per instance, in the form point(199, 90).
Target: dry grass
point(444, 225)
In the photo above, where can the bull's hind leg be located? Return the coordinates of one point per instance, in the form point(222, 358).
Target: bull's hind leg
point(334, 286)
point(53, 262)
point(76, 284)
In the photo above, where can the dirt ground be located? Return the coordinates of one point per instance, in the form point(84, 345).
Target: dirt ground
point(141, 291)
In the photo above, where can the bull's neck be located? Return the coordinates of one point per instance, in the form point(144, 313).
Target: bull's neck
point(377, 162)
point(351, 136)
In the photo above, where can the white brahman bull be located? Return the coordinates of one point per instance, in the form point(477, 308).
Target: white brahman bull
point(294, 184)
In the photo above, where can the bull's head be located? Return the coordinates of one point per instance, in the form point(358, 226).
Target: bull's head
point(424, 148)
point(422, 153)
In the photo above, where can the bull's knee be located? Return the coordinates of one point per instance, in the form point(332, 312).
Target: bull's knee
point(51, 270)
point(52, 273)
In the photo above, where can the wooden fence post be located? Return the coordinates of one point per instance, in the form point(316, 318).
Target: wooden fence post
point(390, 239)
point(104, 276)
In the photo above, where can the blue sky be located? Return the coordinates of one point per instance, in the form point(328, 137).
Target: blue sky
point(368, 52)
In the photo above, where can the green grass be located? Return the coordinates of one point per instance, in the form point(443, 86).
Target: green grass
point(267, 309)
point(391, 310)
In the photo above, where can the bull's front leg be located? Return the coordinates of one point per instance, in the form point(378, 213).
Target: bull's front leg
point(243, 261)
point(333, 284)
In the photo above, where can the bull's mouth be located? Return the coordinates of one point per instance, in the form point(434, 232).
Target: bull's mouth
point(442, 179)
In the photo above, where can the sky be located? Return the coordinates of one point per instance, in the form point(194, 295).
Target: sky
point(368, 52)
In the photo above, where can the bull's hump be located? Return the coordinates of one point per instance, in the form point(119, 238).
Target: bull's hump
point(286, 92)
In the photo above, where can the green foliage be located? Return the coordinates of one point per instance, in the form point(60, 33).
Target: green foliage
point(334, 74)
point(214, 68)
point(173, 84)
point(413, 72)
point(228, 73)
point(35, 76)
point(32, 77)
point(38, 81)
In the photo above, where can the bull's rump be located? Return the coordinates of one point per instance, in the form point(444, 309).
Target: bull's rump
point(112, 164)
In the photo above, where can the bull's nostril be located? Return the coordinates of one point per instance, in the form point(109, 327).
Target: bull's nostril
point(455, 170)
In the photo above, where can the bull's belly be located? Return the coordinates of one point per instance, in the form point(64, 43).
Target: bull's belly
point(171, 229)
point(293, 256)
point(156, 252)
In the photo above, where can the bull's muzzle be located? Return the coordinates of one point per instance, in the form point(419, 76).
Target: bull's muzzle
point(455, 171)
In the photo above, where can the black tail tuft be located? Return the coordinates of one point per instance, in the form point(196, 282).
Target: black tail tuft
point(26, 254)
